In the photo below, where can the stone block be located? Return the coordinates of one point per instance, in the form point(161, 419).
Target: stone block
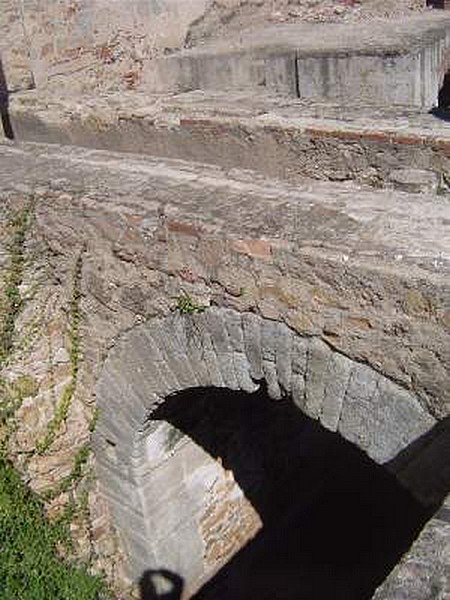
point(271, 377)
point(379, 416)
point(356, 421)
point(182, 552)
point(319, 355)
point(233, 323)
point(190, 341)
point(298, 391)
point(283, 349)
point(269, 333)
point(142, 374)
point(214, 369)
point(398, 420)
point(242, 370)
point(176, 359)
point(116, 398)
point(208, 351)
point(218, 331)
point(299, 356)
point(223, 348)
point(252, 340)
point(155, 355)
point(414, 180)
point(336, 380)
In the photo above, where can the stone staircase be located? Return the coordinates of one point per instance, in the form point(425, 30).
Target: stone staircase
point(290, 101)
point(281, 137)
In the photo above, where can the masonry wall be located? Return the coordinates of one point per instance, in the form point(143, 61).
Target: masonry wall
point(113, 243)
point(85, 44)
point(78, 46)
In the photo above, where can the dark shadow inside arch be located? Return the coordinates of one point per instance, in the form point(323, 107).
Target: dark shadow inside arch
point(442, 110)
point(4, 105)
point(334, 522)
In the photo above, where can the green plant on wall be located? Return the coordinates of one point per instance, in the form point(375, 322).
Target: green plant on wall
point(63, 407)
point(11, 301)
point(187, 306)
point(29, 565)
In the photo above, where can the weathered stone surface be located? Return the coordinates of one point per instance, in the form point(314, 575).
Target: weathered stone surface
point(283, 354)
point(243, 373)
point(379, 416)
point(424, 571)
point(14, 50)
point(223, 348)
point(414, 180)
point(368, 409)
point(336, 380)
point(340, 315)
point(95, 45)
point(174, 356)
point(328, 62)
point(277, 137)
point(253, 350)
point(317, 363)
point(359, 269)
point(208, 352)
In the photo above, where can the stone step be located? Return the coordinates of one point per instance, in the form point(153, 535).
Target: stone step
point(383, 62)
point(277, 136)
point(257, 216)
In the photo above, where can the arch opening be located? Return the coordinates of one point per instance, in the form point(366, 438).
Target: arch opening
point(444, 93)
point(442, 109)
point(220, 350)
point(274, 505)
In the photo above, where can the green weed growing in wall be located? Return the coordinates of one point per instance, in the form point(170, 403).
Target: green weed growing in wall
point(63, 407)
point(187, 306)
point(11, 301)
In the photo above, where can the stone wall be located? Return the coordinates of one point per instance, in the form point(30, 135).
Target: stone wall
point(399, 63)
point(279, 138)
point(95, 45)
point(113, 249)
point(106, 42)
point(14, 47)
point(222, 348)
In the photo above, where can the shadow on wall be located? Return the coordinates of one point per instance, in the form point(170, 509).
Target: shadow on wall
point(335, 523)
point(442, 111)
point(4, 105)
point(436, 4)
point(424, 465)
point(160, 585)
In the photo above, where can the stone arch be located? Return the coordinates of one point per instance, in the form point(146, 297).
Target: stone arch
point(221, 348)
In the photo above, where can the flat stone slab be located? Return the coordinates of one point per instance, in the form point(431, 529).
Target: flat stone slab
point(280, 137)
point(374, 37)
point(424, 571)
point(387, 62)
point(385, 227)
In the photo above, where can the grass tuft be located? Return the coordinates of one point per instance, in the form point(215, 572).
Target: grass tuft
point(29, 566)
